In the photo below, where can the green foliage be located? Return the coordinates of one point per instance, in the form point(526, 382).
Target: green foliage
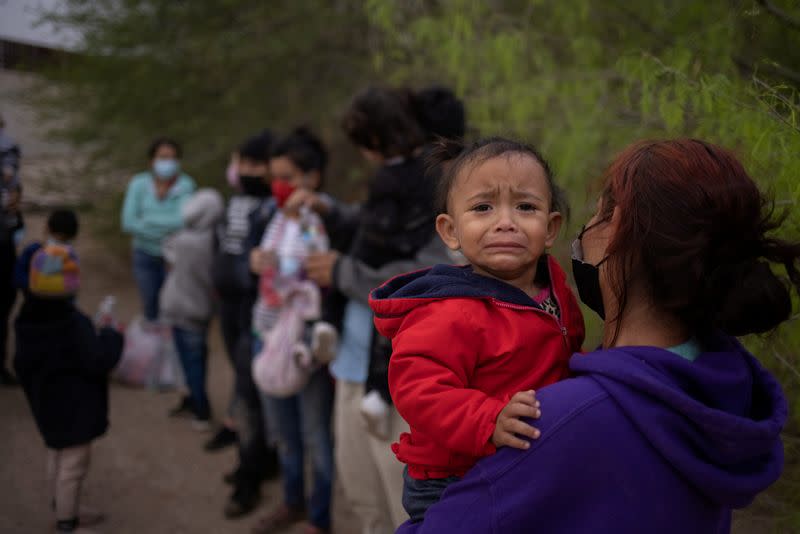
point(208, 73)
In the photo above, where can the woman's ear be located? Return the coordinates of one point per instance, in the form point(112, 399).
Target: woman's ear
point(553, 227)
point(446, 229)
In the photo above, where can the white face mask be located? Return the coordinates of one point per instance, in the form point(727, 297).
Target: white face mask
point(166, 169)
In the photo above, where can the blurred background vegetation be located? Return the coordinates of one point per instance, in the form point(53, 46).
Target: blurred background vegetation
point(579, 79)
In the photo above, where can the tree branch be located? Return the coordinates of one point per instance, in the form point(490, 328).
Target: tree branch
point(769, 68)
point(780, 14)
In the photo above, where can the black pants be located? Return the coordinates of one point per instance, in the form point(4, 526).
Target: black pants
point(254, 455)
point(8, 295)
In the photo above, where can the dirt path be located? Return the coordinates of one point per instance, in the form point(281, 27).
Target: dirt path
point(149, 473)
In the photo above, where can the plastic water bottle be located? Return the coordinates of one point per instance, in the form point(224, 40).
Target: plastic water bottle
point(105, 312)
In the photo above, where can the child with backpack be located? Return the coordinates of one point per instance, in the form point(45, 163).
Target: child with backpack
point(186, 300)
point(63, 363)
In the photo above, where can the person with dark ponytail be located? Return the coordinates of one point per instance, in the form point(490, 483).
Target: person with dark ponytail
point(671, 424)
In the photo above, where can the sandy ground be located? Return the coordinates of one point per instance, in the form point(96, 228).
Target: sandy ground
point(149, 473)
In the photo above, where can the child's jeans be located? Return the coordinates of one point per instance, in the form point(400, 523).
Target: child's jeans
point(66, 470)
point(193, 352)
point(419, 495)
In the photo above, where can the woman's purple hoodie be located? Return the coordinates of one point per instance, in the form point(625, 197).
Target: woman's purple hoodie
point(641, 440)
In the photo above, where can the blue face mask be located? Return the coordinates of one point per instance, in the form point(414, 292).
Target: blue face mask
point(166, 169)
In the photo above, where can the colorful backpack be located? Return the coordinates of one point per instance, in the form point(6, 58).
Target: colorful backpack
point(54, 271)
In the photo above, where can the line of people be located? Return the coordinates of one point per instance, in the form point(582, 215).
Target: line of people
point(290, 269)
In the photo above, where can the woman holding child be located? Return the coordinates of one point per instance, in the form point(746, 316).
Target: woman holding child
point(671, 423)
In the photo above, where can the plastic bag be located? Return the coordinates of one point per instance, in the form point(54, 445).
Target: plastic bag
point(284, 365)
point(149, 358)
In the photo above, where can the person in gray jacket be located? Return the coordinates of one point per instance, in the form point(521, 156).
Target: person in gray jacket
point(186, 301)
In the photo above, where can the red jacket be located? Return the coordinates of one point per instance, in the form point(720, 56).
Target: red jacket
point(463, 345)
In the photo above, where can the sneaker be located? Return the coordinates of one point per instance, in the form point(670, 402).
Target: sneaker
point(279, 519)
point(7, 379)
point(244, 499)
point(201, 424)
point(324, 342)
point(184, 410)
point(376, 414)
point(224, 437)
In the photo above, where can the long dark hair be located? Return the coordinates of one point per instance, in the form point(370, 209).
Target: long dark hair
point(694, 227)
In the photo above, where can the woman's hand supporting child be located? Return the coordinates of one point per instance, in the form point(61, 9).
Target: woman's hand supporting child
point(508, 426)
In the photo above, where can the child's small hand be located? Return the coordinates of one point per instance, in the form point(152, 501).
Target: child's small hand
point(522, 404)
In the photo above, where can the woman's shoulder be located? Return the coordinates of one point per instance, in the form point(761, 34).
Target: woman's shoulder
point(141, 177)
point(139, 181)
point(573, 411)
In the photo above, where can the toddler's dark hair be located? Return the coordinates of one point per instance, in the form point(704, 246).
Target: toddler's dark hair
point(257, 147)
point(452, 156)
point(440, 113)
point(304, 149)
point(164, 141)
point(384, 120)
point(63, 223)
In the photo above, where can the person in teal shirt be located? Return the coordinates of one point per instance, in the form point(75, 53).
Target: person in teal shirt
point(151, 212)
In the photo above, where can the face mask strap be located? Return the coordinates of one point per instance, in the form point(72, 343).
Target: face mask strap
point(579, 241)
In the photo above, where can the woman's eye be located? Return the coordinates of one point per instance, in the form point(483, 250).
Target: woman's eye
point(482, 207)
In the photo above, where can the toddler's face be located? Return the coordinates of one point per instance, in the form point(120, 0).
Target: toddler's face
point(499, 216)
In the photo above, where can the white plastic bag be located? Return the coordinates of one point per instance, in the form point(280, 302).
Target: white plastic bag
point(284, 365)
point(149, 358)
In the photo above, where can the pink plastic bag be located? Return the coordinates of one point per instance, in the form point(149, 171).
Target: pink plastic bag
point(283, 366)
point(149, 358)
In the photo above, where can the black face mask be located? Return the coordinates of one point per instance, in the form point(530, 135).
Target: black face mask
point(254, 186)
point(587, 278)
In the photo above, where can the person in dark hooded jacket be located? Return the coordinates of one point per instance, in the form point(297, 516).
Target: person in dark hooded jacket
point(63, 364)
point(246, 216)
point(670, 424)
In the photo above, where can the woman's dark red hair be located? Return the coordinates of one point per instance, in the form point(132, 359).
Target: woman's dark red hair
point(694, 229)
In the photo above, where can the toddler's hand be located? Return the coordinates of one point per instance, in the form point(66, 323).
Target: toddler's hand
point(508, 425)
